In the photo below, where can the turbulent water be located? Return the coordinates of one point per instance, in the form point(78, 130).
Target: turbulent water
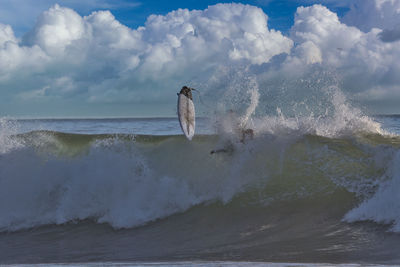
point(302, 189)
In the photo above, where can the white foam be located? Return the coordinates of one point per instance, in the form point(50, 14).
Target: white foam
point(384, 205)
point(111, 183)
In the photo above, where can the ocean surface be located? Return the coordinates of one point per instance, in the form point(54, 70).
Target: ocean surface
point(131, 191)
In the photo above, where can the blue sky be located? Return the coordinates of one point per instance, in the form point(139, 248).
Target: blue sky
point(101, 58)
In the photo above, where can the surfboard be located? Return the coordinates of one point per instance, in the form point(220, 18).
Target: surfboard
point(186, 112)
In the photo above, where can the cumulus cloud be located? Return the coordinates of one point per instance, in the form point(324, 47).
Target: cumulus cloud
point(56, 29)
point(390, 35)
point(365, 62)
point(96, 59)
point(101, 58)
point(368, 14)
point(6, 34)
point(321, 36)
point(23, 13)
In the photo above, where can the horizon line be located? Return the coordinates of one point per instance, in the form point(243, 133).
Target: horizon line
point(124, 117)
point(90, 117)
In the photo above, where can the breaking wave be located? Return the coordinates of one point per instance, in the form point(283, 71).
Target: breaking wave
point(130, 180)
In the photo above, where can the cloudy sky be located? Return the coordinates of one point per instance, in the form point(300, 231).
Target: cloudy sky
point(105, 58)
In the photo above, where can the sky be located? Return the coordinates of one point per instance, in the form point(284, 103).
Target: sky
point(103, 58)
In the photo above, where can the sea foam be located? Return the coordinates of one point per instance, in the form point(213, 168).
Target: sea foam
point(384, 205)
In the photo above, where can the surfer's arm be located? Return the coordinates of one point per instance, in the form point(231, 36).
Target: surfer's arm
point(228, 148)
point(219, 151)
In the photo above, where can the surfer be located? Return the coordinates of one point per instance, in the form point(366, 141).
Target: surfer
point(247, 134)
point(233, 130)
point(186, 91)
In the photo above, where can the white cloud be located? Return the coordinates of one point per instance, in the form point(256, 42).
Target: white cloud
point(368, 14)
point(56, 29)
point(100, 56)
point(96, 59)
point(6, 34)
point(360, 57)
point(391, 35)
point(322, 31)
point(22, 14)
point(366, 66)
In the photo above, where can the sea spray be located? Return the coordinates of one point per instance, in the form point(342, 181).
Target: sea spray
point(8, 128)
point(339, 119)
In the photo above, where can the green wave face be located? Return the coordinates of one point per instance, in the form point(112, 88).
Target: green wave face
point(274, 197)
point(268, 167)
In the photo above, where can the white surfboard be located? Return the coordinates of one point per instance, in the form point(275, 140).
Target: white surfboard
point(186, 112)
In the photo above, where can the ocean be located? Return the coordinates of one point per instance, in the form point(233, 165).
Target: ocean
point(304, 191)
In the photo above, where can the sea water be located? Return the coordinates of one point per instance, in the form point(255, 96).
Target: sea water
point(135, 191)
point(149, 126)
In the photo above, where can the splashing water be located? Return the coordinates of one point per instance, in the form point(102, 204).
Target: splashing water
point(340, 120)
point(8, 128)
point(254, 100)
point(71, 180)
point(384, 205)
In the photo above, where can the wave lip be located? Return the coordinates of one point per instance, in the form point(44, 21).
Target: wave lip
point(384, 205)
point(129, 181)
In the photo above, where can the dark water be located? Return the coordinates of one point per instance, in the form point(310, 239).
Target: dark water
point(291, 194)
